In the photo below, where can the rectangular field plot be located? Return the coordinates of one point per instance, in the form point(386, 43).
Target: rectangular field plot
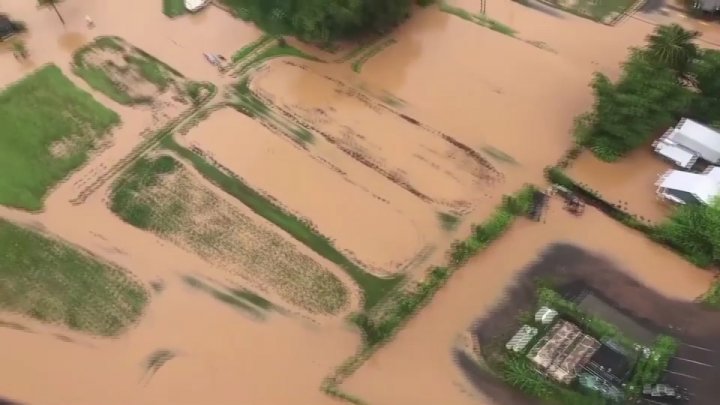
point(362, 224)
point(164, 197)
point(129, 75)
point(52, 282)
point(426, 162)
point(47, 129)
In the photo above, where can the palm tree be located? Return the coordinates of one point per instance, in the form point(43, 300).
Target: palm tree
point(53, 4)
point(672, 46)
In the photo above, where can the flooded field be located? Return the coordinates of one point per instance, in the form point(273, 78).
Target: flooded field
point(629, 182)
point(308, 184)
point(419, 363)
point(445, 120)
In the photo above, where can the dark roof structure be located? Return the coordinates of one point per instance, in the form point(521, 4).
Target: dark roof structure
point(9, 27)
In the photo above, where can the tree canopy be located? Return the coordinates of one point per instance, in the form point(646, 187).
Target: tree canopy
point(668, 78)
point(625, 114)
point(322, 20)
point(695, 230)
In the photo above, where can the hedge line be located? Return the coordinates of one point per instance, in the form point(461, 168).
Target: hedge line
point(378, 332)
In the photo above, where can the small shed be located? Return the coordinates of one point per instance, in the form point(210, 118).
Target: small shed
point(521, 339)
point(545, 315)
point(676, 154)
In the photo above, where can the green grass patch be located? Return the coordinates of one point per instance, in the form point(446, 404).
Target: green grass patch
point(174, 8)
point(243, 300)
point(374, 288)
point(372, 51)
point(48, 126)
point(712, 297)
point(158, 359)
point(499, 155)
point(448, 221)
point(251, 47)
point(110, 65)
point(53, 282)
point(162, 196)
point(603, 11)
point(479, 18)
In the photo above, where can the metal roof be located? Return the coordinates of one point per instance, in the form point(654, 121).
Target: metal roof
point(697, 138)
point(704, 187)
point(681, 156)
point(521, 339)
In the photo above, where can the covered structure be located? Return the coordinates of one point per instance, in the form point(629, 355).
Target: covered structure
point(688, 141)
point(707, 5)
point(545, 315)
point(9, 27)
point(563, 351)
point(521, 339)
point(689, 188)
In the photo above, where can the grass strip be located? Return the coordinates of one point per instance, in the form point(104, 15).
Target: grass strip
point(48, 126)
point(53, 282)
point(479, 19)
point(374, 288)
point(174, 8)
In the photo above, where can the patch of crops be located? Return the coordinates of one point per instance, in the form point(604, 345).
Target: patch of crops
point(53, 282)
point(162, 196)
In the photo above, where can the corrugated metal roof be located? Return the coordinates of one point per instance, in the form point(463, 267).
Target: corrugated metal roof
point(702, 186)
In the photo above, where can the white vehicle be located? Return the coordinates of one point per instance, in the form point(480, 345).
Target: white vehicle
point(196, 5)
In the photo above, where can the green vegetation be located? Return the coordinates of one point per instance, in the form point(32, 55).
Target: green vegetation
point(321, 21)
point(377, 329)
point(651, 365)
point(604, 11)
point(694, 230)
point(669, 78)
point(251, 47)
point(372, 51)
point(448, 221)
point(374, 287)
point(712, 297)
point(162, 196)
point(174, 8)
point(158, 359)
point(52, 282)
point(243, 300)
point(499, 155)
point(47, 129)
point(117, 80)
point(479, 18)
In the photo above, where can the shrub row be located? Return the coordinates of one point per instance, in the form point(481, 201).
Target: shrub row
point(651, 365)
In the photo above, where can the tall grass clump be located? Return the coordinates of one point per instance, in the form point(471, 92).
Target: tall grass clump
point(54, 282)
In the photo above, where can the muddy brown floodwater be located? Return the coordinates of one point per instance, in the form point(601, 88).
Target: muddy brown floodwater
point(419, 364)
point(485, 90)
point(629, 182)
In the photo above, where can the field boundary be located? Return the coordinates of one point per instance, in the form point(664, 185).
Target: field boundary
point(512, 207)
point(144, 146)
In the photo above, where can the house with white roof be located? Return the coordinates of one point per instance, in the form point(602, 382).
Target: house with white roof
point(687, 188)
point(687, 142)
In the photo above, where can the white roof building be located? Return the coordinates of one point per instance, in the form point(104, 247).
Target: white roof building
point(521, 339)
point(686, 187)
point(545, 315)
point(687, 142)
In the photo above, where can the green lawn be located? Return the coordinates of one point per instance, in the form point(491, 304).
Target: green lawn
point(54, 282)
point(47, 128)
point(174, 8)
point(374, 288)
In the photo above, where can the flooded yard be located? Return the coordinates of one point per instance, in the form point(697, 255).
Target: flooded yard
point(419, 363)
point(629, 183)
point(439, 124)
